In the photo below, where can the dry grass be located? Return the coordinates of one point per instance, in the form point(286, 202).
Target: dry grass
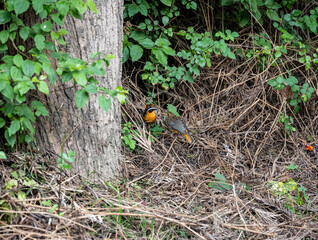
point(163, 190)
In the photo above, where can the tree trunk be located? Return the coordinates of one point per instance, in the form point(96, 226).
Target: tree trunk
point(91, 133)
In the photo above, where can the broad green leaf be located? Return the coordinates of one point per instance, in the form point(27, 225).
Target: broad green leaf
point(125, 54)
point(42, 86)
point(59, 19)
point(81, 98)
point(63, 7)
point(18, 60)
point(39, 41)
point(173, 109)
point(4, 36)
point(46, 26)
point(169, 51)
point(167, 2)
point(20, 6)
point(26, 123)
point(2, 155)
point(37, 6)
point(160, 42)
point(40, 108)
point(227, 2)
point(165, 20)
point(147, 43)
point(136, 52)
point(92, 6)
point(121, 97)
point(28, 68)
point(231, 55)
point(104, 103)
point(132, 9)
point(5, 16)
point(273, 15)
point(137, 35)
point(10, 138)
point(161, 56)
point(80, 78)
point(24, 32)
point(8, 92)
point(26, 111)
point(16, 73)
point(14, 127)
point(2, 122)
point(91, 88)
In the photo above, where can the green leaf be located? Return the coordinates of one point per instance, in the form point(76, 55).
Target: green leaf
point(132, 9)
point(273, 15)
point(59, 19)
point(5, 16)
point(147, 43)
point(173, 109)
point(18, 60)
point(231, 55)
point(227, 2)
point(14, 127)
point(2, 122)
point(165, 20)
point(28, 68)
point(2, 155)
point(121, 97)
point(4, 36)
point(20, 6)
point(292, 167)
point(46, 26)
point(104, 103)
point(80, 78)
point(63, 7)
point(16, 73)
point(40, 108)
point(167, 2)
point(24, 32)
point(160, 42)
point(37, 6)
point(81, 98)
point(91, 88)
point(8, 92)
point(161, 56)
point(42, 86)
point(10, 138)
point(92, 6)
point(39, 41)
point(293, 102)
point(169, 51)
point(125, 54)
point(137, 35)
point(136, 52)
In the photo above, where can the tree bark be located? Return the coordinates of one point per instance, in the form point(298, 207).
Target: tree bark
point(91, 133)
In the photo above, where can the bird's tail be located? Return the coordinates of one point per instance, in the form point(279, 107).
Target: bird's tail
point(188, 137)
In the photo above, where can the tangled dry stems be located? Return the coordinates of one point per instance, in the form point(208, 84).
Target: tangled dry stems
point(232, 114)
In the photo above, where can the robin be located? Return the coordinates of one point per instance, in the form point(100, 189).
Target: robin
point(150, 115)
point(177, 125)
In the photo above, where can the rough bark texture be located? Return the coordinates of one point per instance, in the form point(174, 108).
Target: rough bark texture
point(91, 133)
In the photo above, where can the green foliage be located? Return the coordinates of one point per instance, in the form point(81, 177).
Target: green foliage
point(65, 161)
point(286, 190)
point(287, 121)
point(220, 183)
point(292, 167)
point(154, 36)
point(127, 136)
point(29, 69)
point(173, 109)
point(300, 93)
